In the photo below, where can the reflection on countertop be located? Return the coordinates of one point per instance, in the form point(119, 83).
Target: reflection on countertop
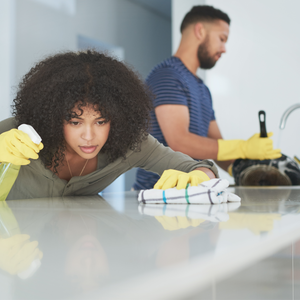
point(114, 247)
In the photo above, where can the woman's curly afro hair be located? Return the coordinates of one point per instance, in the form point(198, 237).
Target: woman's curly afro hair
point(54, 87)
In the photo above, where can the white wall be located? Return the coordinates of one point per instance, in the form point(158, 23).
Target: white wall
point(7, 38)
point(42, 30)
point(259, 71)
point(39, 29)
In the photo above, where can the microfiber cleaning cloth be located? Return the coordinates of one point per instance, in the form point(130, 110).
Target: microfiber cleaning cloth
point(208, 192)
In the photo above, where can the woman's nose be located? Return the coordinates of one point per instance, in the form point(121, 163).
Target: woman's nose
point(88, 133)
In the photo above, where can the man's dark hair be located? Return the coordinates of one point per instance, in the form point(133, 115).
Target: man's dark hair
point(203, 13)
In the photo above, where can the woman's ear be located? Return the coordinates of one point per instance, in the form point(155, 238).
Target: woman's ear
point(199, 31)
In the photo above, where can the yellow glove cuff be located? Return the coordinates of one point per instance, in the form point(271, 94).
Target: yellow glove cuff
point(230, 149)
point(229, 170)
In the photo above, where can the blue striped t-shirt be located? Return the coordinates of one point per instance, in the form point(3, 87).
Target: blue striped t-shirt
point(172, 83)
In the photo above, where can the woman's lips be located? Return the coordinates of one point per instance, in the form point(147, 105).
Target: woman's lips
point(88, 149)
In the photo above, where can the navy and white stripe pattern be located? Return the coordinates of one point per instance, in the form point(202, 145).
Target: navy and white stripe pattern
point(208, 192)
point(172, 83)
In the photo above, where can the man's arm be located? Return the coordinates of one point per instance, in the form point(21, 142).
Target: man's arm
point(174, 122)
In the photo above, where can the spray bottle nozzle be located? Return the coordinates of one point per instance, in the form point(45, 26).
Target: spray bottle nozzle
point(34, 136)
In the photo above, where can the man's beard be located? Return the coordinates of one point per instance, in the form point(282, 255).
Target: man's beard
point(205, 60)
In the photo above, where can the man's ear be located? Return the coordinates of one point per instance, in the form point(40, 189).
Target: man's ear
point(199, 31)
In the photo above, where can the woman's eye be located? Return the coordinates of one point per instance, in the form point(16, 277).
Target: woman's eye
point(74, 123)
point(101, 122)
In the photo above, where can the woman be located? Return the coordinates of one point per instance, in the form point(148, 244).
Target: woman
point(92, 113)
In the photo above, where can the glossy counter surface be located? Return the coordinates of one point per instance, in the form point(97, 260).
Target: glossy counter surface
point(114, 248)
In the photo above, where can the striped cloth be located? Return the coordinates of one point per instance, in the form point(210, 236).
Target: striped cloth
point(208, 192)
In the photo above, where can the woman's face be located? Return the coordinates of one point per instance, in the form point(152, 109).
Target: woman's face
point(87, 133)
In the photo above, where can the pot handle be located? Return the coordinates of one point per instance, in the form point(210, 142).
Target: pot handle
point(262, 123)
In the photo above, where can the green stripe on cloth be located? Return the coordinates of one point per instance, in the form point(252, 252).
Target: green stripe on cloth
point(186, 194)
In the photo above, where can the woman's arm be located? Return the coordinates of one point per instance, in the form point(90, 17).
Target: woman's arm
point(157, 158)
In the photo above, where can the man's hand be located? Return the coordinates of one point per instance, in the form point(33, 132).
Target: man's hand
point(254, 148)
point(260, 148)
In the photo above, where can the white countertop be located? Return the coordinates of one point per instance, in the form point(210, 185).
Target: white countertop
point(112, 248)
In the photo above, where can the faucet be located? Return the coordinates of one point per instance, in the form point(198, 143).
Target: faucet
point(286, 114)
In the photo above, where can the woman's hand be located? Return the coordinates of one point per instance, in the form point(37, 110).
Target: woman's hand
point(17, 253)
point(17, 148)
point(171, 178)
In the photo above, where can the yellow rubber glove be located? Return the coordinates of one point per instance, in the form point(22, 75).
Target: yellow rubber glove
point(171, 178)
point(175, 223)
point(254, 148)
point(17, 253)
point(257, 223)
point(16, 147)
point(8, 223)
point(229, 169)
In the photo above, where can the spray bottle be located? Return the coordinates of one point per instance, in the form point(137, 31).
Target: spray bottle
point(8, 171)
point(9, 227)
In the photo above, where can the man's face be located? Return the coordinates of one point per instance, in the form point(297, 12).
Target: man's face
point(211, 49)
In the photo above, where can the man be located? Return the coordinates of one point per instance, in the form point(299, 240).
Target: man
point(184, 118)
